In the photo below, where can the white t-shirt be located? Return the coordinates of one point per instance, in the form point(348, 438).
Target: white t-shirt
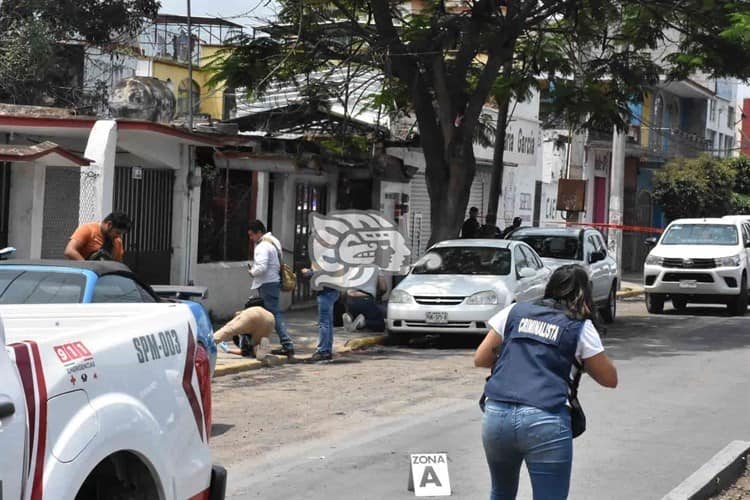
point(589, 342)
point(265, 268)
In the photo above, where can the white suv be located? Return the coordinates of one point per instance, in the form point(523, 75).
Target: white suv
point(699, 260)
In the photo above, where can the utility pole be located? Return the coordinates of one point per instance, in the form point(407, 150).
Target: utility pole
point(191, 167)
point(616, 195)
point(190, 68)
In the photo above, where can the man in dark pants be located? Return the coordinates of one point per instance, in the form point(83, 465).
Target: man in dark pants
point(490, 229)
point(470, 229)
point(363, 309)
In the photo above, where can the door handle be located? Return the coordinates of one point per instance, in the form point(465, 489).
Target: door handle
point(7, 409)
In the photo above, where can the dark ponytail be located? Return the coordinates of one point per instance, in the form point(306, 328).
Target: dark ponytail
point(570, 287)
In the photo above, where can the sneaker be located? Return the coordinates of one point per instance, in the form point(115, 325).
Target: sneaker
point(346, 318)
point(289, 353)
point(223, 346)
point(321, 356)
point(359, 322)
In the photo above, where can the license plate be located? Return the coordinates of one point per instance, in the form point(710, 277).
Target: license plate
point(436, 317)
point(688, 284)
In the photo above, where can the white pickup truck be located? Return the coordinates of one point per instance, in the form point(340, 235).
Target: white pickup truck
point(104, 401)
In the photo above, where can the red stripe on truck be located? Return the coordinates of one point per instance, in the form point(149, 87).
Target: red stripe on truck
point(29, 365)
point(187, 382)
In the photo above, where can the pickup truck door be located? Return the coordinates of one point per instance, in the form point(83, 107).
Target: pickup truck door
point(598, 271)
point(12, 427)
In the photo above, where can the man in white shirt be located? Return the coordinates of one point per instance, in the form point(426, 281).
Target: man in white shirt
point(265, 274)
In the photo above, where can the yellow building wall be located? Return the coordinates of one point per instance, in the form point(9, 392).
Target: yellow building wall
point(646, 119)
point(211, 100)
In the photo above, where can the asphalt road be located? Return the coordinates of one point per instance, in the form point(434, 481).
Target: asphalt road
point(683, 396)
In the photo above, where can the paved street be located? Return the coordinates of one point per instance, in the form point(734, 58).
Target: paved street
point(345, 429)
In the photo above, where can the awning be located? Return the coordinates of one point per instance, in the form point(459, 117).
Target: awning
point(47, 154)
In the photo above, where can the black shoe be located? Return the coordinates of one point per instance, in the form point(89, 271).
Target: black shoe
point(321, 356)
point(289, 353)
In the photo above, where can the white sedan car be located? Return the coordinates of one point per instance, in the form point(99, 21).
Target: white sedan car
point(460, 284)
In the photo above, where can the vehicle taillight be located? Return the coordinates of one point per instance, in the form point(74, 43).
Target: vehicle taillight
point(203, 371)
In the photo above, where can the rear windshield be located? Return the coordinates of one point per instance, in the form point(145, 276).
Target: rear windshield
point(465, 260)
point(553, 247)
point(40, 287)
point(700, 234)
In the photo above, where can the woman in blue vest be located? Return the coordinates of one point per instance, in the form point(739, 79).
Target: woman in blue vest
point(527, 417)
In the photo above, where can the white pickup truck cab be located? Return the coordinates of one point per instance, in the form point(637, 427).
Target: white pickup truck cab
point(104, 401)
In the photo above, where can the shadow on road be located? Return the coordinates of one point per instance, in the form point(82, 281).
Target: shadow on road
point(219, 429)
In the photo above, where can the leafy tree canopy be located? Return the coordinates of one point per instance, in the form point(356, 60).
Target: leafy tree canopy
point(38, 37)
point(442, 62)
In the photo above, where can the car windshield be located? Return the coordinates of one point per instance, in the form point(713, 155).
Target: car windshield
point(700, 234)
point(553, 247)
point(465, 260)
point(19, 286)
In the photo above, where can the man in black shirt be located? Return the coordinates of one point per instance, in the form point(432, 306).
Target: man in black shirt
point(490, 229)
point(470, 229)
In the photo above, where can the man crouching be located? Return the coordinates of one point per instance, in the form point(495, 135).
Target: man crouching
point(248, 328)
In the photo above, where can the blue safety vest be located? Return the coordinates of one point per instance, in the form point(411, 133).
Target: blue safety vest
point(538, 351)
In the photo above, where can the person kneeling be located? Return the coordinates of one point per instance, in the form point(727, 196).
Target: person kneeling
point(250, 327)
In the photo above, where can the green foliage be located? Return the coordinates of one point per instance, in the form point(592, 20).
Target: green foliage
point(699, 187)
point(741, 166)
point(40, 57)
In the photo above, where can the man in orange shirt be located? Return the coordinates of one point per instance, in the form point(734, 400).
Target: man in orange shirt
point(99, 240)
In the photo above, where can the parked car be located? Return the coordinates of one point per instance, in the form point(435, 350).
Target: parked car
point(699, 261)
point(583, 246)
point(458, 285)
point(103, 401)
point(70, 282)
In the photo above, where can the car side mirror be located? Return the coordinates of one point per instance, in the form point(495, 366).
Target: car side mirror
point(651, 241)
point(526, 272)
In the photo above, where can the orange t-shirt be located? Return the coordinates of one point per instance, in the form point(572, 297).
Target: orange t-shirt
point(91, 236)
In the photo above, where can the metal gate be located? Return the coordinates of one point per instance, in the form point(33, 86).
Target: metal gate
point(146, 196)
point(309, 198)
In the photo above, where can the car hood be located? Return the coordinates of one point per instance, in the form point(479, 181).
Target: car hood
point(454, 285)
point(695, 251)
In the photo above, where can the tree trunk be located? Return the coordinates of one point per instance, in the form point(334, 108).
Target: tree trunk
point(498, 165)
point(449, 198)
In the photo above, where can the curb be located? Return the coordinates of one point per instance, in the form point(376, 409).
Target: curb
point(715, 475)
point(630, 292)
point(271, 360)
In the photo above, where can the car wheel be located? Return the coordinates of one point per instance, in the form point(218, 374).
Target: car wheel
point(679, 302)
point(655, 303)
point(738, 304)
point(609, 311)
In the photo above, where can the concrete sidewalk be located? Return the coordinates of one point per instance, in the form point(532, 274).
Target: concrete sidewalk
point(302, 325)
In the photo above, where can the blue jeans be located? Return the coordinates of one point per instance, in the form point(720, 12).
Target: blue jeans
point(270, 293)
point(326, 299)
point(367, 307)
point(513, 433)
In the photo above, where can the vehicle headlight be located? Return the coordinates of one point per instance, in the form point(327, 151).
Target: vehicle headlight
point(732, 261)
point(488, 298)
point(400, 297)
point(653, 260)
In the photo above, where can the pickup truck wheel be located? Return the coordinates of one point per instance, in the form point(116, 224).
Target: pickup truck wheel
point(121, 476)
point(609, 311)
point(655, 303)
point(738, 304)
point(679, 302)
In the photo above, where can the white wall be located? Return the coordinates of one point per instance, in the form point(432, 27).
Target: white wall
point(26, 210)
point(228, 286)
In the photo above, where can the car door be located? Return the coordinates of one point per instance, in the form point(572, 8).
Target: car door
point(12, 426)
point(746, 243)
point(525, 286)
point(539, 281)
point(598, 271)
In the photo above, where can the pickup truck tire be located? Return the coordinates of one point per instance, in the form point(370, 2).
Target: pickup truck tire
point(609, 310)
point(679, 302)
point(655, 303)
point(122, 476)
point(738, 304)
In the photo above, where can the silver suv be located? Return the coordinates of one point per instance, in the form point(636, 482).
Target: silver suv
point(583, 246)
point(699, 261)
